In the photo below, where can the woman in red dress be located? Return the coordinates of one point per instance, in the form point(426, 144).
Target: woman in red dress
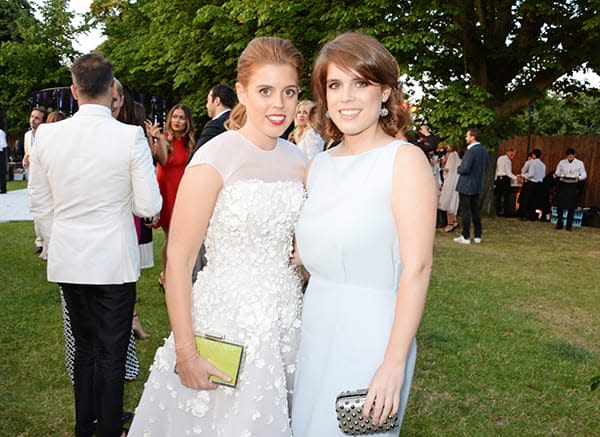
point(171, 150)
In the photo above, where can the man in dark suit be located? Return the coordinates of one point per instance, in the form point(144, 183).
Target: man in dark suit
point(470, 186)
point(219, 102)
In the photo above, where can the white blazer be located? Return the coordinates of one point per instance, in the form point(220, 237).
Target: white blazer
point(88, 174)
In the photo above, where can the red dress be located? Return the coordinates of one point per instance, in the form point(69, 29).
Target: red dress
point(169, 176)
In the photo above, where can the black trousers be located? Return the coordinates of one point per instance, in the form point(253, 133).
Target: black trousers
point(469, 210)
point(3, 173)
point(503, 196)
point(570, 215)
point(536, 200)
point(566, 198)
point(101, 324)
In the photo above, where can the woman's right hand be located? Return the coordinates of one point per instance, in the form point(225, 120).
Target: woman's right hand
point(153, 129)
point(194, 373)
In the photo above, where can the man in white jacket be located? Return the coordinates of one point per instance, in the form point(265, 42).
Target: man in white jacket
point(36, 118)
point(89, 174)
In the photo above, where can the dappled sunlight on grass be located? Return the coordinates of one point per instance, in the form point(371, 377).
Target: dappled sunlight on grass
point(507, 346)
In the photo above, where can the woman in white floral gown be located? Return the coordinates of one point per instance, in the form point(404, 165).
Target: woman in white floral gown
point(242, 191)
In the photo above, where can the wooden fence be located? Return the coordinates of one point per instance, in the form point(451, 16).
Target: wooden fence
point(553, 150)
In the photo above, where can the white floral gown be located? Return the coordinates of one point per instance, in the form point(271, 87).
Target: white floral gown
point(248, 292)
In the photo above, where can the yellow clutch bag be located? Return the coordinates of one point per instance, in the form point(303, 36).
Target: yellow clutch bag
point(225, 356)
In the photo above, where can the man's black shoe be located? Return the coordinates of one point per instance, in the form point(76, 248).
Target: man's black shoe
point(38, 249)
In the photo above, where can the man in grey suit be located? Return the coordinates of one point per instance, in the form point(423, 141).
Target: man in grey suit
point(470, 186)
point(89, 174)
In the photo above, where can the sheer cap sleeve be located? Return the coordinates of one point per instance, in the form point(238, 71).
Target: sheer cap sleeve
point(237, 159)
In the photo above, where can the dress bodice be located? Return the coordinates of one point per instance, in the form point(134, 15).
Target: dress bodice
point(346, 232)
point(249, 237)
point(251, 227)
point(176, 160)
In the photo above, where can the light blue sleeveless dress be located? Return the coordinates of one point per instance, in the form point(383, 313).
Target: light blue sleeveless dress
point(346, 237)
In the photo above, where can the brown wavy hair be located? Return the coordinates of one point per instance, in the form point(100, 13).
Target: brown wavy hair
point(262, 51)
point(371, 61)
point(190, 131)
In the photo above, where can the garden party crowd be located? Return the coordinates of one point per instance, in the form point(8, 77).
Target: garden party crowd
point(285, 222)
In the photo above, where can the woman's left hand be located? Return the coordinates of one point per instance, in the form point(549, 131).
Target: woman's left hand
point(383, 398)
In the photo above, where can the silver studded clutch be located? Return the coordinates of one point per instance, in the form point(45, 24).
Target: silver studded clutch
point(348, 406)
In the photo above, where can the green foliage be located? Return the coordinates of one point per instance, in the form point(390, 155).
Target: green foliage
point(35, 57)
point(479, 63)
point(556, 114)
point(10, 11)
point(454, 109)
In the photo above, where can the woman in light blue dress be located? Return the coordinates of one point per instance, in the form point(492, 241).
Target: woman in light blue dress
point(366, 236)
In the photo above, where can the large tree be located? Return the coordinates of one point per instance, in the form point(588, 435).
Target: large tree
point(478, 62)
point(497, 57)
point(34, 54)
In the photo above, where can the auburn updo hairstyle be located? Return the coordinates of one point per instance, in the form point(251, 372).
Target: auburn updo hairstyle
point(366, 57)
point(262, 51)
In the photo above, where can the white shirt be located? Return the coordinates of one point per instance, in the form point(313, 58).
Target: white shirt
point(3, 143)
point(536, 171)
point(504, 167)
point(220, 113)
point(573, 169)
point(28, 141)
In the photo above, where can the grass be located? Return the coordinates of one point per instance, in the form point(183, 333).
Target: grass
point(507, 346)
point(509, 340)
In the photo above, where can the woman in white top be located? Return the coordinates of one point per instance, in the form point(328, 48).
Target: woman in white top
point(449, 196)
point(304, 135)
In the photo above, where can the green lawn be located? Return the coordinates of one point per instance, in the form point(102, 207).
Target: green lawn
point(508, 343)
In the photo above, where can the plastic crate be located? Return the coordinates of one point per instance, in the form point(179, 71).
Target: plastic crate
point(577, 217)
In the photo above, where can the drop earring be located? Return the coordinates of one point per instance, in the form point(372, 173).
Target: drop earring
point(383, 112)
point(327, 114)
